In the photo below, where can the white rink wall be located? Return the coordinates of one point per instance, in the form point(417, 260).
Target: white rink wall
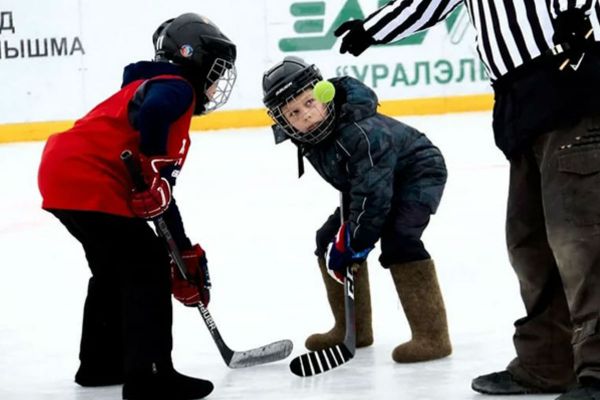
point(58, 58)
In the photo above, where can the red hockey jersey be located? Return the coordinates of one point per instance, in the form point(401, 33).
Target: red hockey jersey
point(81, 168)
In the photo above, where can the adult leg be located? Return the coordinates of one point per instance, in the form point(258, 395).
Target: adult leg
point(570, 164)
point(542, 338)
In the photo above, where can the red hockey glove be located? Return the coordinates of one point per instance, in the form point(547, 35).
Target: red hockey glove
point(196, 288)
point(155, 200)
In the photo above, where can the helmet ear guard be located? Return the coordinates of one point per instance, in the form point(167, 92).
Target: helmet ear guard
point(205, 55)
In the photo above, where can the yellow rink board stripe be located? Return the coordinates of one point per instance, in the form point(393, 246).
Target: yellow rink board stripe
point(234, 119)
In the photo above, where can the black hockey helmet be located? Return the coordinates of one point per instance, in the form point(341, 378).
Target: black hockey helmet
point(206, 57)
point(285, 81)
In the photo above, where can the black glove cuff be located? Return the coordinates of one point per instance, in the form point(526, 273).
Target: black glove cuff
point(570, 27)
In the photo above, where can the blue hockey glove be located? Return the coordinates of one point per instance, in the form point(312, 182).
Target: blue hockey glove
point(342, 256)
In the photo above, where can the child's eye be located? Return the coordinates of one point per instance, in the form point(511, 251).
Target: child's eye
point(309, 102)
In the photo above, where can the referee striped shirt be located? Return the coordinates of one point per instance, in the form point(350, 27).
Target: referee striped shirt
point(509, 32)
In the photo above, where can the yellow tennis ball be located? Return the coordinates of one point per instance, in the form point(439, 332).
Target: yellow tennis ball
point(324, 91)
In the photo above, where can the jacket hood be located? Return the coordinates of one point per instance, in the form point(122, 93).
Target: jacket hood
point(147, 70)
point(354, 100)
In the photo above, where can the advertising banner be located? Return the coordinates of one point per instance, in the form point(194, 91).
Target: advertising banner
point(58, 58)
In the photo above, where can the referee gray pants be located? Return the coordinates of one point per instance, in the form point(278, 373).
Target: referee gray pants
point(553, 239)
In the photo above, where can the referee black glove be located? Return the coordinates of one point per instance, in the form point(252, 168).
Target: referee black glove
point(570, 30)
point(356, 40)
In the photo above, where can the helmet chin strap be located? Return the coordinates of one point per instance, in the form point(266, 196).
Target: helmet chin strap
point(200, 108)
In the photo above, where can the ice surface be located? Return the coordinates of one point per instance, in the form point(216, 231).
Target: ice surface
point(240, 197)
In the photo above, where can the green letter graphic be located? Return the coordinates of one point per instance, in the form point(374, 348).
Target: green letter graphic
point(311, 16)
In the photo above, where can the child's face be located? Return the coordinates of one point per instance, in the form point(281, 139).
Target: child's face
point(304, 113)
point(210, 92)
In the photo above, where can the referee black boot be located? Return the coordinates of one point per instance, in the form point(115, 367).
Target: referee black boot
point(503, 383)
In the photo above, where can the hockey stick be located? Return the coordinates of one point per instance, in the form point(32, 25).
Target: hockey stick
point(317, 362)
point(234, 359)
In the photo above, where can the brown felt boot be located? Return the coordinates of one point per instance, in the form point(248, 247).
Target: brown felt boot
point(420, 296)
point(362, 306)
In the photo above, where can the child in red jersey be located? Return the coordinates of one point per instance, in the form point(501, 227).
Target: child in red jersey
point(126, 335)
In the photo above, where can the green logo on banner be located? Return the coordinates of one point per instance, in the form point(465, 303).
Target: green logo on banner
point(310, 15)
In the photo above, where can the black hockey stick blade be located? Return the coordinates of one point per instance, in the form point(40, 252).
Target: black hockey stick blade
point(317, 362)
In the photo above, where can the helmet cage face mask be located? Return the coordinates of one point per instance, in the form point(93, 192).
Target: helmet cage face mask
point(204, 54)
point(317, 133)
point(219, 83)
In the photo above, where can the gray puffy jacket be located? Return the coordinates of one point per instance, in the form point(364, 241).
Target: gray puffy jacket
point(373, 160)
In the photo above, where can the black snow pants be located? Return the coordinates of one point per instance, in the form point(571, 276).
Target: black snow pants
point(127, 314)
